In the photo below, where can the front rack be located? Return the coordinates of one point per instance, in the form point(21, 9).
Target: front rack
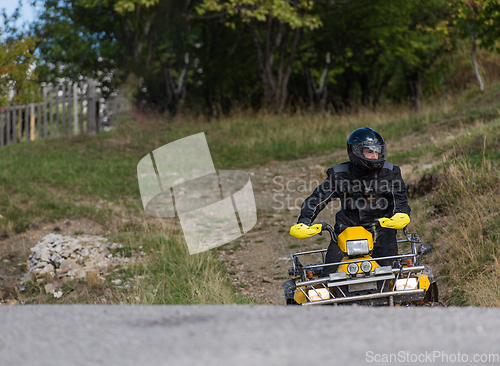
point(394, 274)
point(326, 283)
point(299, 269)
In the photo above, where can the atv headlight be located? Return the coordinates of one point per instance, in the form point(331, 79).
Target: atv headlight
point(357, 247)
point(366, 266)
point(352, 268)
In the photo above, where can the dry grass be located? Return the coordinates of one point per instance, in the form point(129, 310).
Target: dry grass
point(462, 221)
point(462, 218)
point(172, 276)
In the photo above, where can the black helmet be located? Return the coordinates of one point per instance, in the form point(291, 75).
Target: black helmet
point(358, 140)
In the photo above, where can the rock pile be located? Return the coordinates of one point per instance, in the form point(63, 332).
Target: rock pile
point(67, 257)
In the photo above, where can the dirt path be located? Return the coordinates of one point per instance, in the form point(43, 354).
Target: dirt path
point(257, 263)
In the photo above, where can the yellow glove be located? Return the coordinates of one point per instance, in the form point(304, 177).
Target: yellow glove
point(302, 231)
point(398, 221)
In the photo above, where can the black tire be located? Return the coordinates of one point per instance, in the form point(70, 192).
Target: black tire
point(432, 294)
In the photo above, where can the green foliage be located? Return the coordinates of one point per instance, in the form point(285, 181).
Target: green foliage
point(17, 61)
point(479, 17)
point(119, 6)
point(76, 43)
point(375, 46)
point(212, 56)
point(293, 14)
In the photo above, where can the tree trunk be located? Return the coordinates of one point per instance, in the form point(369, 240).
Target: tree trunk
point(346, 93)
point(322, 90)
point(365, 84)
point(473, 58)
point(415, 87)
point(283, 81)
point(319, 93)
point(176, 94)
point(381, 87)
point(274, 84)
point(310, 86)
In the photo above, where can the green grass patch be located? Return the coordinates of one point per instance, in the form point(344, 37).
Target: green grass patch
point(93, 176)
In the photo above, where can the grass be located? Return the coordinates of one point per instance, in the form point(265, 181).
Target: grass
point(172, 276)
point(167, 275)
point(461, 219)
point(471, 231)
point(95, 177)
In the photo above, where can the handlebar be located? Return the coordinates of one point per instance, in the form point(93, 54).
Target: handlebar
point(331, 231)
point(327, 227)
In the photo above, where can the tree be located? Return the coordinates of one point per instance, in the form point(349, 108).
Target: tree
point(275, 27)
point(17, 83)
point(109, 40)
point(427, 39)
point(477, 21)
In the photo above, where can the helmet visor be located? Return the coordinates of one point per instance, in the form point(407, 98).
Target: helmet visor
point(369, 151)
point(374, 148)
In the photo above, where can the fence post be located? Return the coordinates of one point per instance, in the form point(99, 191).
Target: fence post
point(82, 116)
point(39, 120)
point(95, 104)
point(51, 111)
point(75, 109)
point(7, 140)
point(82, 131)
point(26, 124)
point(91, 106)
point(44, 109)
point(98, 113)
point(14, 125)
point(68, 109)
point(2, 118)
point(63, 110)
point(108, 115)
point(58, 111)
point(32, 123)
point(68, 101)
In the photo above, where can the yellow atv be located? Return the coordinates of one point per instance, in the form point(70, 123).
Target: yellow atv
point(359, 278)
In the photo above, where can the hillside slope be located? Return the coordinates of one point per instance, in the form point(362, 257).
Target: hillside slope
point(448, 154)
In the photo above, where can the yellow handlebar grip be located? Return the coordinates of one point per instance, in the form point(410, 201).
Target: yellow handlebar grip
point(302, 231)
point(397, 222)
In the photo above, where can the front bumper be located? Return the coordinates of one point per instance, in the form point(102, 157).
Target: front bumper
point(382, 298)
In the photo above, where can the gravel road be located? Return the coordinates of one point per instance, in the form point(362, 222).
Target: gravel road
point(246, 335)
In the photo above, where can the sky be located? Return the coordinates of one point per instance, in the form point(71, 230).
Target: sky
point(27, 14)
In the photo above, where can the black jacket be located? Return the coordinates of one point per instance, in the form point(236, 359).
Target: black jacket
point(364, 195)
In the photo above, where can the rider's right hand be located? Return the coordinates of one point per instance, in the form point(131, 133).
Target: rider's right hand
point(303, 231)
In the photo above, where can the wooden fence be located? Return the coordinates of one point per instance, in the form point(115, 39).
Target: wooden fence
point(66, 110)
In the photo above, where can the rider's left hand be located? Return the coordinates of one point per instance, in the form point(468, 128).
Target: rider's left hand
point(398, 221)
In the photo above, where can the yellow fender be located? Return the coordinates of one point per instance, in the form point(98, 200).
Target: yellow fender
point(424, 282)
point(299, 297)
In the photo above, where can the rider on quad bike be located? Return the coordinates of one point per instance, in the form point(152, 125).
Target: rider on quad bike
point(369, 189)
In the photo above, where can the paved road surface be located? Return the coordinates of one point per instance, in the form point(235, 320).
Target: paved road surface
point(245, 335)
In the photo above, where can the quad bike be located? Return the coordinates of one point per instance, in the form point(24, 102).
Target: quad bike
point(359, 278)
